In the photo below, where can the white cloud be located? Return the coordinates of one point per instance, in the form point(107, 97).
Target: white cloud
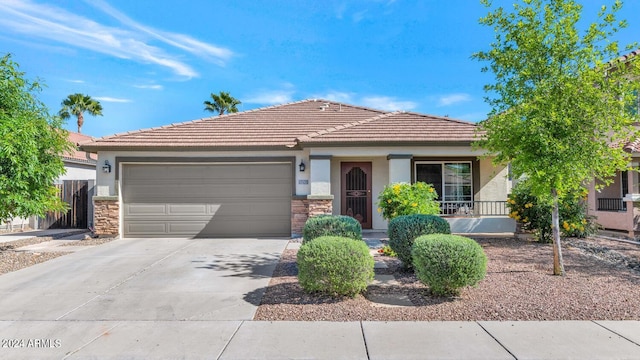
point(181, 41)
point(359, 16)
point(452, 99)
point(129, 42)
point(112, 99)
point(387, 103)
point(336, 96)
point(76, 81)
point(271, 97)
point(150, 87)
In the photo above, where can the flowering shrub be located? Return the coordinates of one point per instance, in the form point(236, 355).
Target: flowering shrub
point(407, 199)
point(534, 214)
point(387, 251)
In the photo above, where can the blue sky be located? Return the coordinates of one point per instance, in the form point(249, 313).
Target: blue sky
point(152, 63)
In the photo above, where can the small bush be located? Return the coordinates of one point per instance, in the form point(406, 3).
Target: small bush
point(406, 199)
point(331, 225)
point(447, 263)
point(335, 266)
point(534, 213)
point(403, 230)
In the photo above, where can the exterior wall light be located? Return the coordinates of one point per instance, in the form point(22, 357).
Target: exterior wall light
point(107, 167)
point(302, 166)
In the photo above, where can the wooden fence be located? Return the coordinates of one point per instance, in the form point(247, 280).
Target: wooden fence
point(74, 193)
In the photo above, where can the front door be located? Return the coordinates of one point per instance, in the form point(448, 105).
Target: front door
point(356, 191)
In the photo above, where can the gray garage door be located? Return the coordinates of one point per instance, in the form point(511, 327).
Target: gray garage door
point(213, 200)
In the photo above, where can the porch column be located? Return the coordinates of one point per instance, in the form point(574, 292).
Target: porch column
point(633, 200)
point(399, 168)
point(320, 201)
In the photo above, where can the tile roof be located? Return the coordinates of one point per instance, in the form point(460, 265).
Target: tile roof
point(78, 155)
point(291, 125)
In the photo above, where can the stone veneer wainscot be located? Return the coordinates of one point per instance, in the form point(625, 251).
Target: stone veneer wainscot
point(106, 215)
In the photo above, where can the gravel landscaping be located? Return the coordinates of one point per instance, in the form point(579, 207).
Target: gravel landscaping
point(602, 283)
point(12, 259)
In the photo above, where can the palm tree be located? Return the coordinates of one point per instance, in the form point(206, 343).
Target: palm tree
point(78, 104)
point(222, 103)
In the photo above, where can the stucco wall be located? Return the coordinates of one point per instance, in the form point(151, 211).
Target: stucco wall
point(613, 190)
point(494, 182)
point(79, 172)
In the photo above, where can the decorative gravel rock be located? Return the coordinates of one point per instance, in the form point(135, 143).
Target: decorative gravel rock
point(12, 259)
point(519, 286)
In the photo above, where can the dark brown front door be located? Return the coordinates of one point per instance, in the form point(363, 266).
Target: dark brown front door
point(356, 191)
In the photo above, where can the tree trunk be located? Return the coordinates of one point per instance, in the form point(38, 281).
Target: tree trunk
point(558, 263)
point(80, 122)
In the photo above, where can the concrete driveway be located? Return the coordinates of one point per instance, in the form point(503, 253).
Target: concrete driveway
point(133, 288)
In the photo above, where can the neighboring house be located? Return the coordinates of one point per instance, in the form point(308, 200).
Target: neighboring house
point(264, 172)
point(78, 165)
point(613, 205)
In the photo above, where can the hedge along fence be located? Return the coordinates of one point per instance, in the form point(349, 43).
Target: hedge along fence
point(331, 225)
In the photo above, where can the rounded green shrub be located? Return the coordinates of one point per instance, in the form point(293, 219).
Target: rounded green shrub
point(447, 263)
point(331, 225)
point(404, 229)
point(335, 265)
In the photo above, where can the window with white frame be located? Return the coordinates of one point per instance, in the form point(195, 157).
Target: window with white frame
point(452, 181)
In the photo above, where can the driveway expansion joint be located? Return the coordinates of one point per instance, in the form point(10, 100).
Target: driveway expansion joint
point(496, 340)
point(614, 332)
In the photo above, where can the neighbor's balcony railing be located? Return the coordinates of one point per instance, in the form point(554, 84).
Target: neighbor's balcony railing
point(612, 204)
point(474, 208)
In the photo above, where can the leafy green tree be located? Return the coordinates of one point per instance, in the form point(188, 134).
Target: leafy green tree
point(77, 105)
point(560, 104)
point(222, 103)
point(31, 145)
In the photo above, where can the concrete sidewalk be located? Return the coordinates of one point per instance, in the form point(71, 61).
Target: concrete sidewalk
point(321, 340)
point(50, 233)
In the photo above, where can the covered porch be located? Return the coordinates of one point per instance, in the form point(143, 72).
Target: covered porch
point(472, 192)
point(613, 205)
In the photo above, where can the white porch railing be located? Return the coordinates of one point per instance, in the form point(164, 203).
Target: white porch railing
point(473, 208)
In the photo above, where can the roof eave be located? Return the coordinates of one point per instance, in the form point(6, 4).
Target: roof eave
point(366, 143)
point(98, 148)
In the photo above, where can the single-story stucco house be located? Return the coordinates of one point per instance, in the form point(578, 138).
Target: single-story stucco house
point(263, 172)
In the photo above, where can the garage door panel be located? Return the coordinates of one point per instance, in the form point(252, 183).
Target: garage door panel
point(218, 171)
point(145, 209)
point(200, 191)
point(187, 209)
point(273, 226)
point(145, 228)
point(203, 200)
